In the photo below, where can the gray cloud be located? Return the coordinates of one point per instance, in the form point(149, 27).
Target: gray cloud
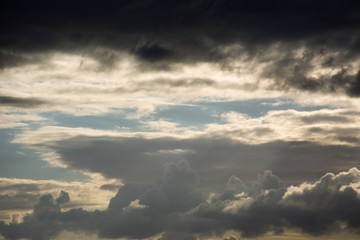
point(22, 102)
point(10, 59)
point(144, 209)
point(269, 181)
point(20, 195)
point(21, 187)
point(230, 238)
point(139, 159)
point(322, 118)
point(177, 236)
point(110, 187)
point(18, 201)
point(170, 85)
point(63, 198)
point(330, 192)
point(158, 34)
point(292, 72)
point(42, 224)
point(153, 52)
point(315, 210)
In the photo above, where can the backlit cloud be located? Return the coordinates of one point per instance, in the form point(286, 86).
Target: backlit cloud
point(145, 210)
point(183, 119)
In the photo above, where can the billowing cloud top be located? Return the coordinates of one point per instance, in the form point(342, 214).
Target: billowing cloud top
point(178, 207)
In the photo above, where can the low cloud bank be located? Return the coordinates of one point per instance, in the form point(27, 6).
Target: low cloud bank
point(179, 209)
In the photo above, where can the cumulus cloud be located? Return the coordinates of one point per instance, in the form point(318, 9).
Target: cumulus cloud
point(272, 210)
point(63, 198)
point(145, 210)
point(34, 226)
point(18, 196)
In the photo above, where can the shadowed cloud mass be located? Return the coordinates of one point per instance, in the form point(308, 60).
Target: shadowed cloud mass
point(289, 35)
point(178, 208)
point(21, 102)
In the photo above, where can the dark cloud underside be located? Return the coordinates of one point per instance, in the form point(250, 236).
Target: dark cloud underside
point(160, 32)
point(21, 102)
point(144, 210)
point(138, 159)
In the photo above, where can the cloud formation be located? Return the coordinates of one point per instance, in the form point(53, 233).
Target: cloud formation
point(144, 210)
point(292, 39)
point(18, 196)
point(20, 102)
point(296, 145)
point(101, 88)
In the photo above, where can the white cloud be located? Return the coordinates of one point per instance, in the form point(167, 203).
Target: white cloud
point(18, 120)
point(235, 206)
point(325, 126)
point(135, 205)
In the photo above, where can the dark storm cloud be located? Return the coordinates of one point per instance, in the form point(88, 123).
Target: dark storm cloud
point(293, 74)
point(140, 159)
point(122, 155)
point(177, 194)
point(315, 210)
point(22, 102)
point(160, 32)
point(143, 210)
point(153, 53)
point(41, 224)
point(258, 21)
point(330, 192)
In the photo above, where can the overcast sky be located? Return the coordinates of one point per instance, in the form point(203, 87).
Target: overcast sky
point(180, 120)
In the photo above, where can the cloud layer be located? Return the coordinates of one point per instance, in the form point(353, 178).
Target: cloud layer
point(217, 119)
point(302, 49)
point(178, 207)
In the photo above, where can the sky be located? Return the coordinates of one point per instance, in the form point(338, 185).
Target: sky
point(180, 120)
